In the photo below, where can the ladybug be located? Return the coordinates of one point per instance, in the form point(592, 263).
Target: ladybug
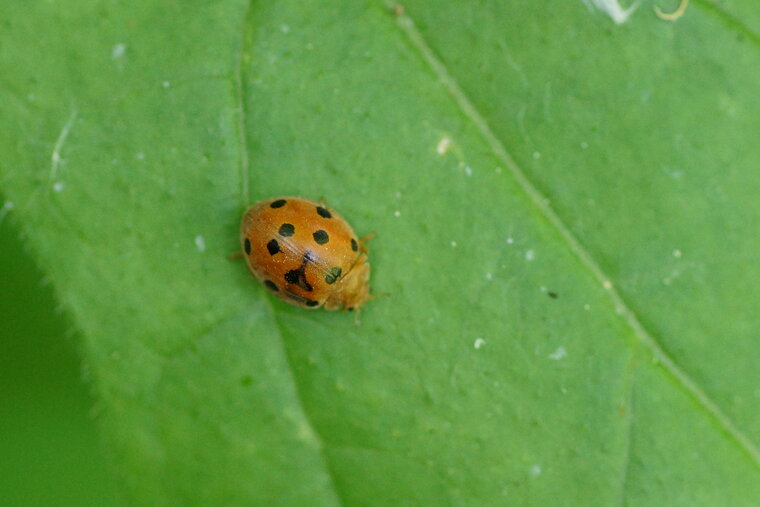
point(305, 253)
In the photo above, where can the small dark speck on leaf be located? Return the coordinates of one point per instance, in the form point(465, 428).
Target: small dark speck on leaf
point(553, 295)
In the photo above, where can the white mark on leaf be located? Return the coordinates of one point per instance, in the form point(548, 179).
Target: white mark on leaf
point(443, 145)
point(558, 354)
point(118, 50)
point(200, 243)
point(479, 342)
point(673, 173)
point(613, 9)
point(55, 157)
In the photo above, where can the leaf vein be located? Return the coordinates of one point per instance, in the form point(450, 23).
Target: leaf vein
point(240, 123)
point(407, 26)
point(293, 378)
point(241, 127)
point(730, 20)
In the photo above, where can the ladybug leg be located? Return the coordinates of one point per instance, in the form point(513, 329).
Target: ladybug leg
point(378, 296)
point(363, 251)
point(364, 240)
point(355, 311)
point(235, 256)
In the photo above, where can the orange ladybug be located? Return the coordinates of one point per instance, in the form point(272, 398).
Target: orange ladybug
point(305, 253)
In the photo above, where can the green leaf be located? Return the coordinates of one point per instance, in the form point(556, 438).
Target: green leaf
point(566, 213)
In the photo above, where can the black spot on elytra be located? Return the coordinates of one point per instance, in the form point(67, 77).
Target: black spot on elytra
point(247, 246)
point(293, 276)
point(323, 212)
point(298, 276)
point(273, 246)
point(287, 230)
point(271, 285)
point(321, 237)
point(333, 275)
point(301, 299)
point(354, 245)
point(279, 203)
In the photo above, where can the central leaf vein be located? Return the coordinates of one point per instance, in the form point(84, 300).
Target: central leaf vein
point(584, 256)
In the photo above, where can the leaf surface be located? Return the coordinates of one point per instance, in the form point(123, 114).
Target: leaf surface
point(565, 212)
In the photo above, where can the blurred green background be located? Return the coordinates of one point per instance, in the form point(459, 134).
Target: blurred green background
point(50, 452)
